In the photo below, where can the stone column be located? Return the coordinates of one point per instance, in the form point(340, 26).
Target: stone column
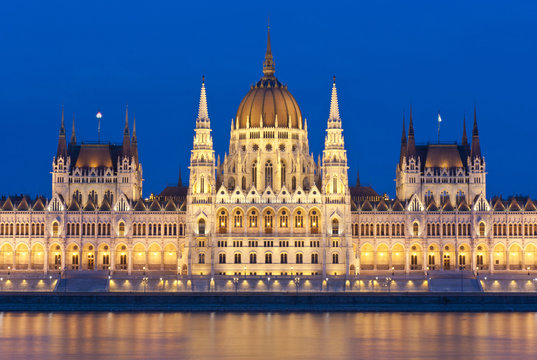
point(45, 260)
point(407, 262)
point(129, 261)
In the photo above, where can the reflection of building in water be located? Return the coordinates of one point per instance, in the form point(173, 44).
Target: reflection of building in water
point(269, 207)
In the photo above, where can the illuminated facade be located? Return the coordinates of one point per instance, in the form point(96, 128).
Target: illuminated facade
point(269, 208)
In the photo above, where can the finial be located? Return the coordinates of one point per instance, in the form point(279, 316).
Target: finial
point(73, 135)
point(334, 78)
point(203, 79)
point(134, 126)
point(268, 64)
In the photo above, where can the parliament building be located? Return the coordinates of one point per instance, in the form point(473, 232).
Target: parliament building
point(269, 208)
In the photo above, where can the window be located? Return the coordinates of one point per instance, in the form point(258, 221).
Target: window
point(253, 258)
point(121, 229)
point(282, 171)
point(254, 174)
point(335, 258)
point(253, 219)
point(268, 222)
point(284, 219)
point(315, 258)
point(237, 258)
point(415, 229)
point(222, 222)
point(238, 219)
point(221, 258)
point(299, 220)
point(202, 185)
point(314, 222)
point(283, 258)
point(293, 183)
point(428, 197)
point(299, 258)
point(481, 229)
point(334, 185)
point(335, 227)
point(243, 183)
point(55, 229)
point(268, 174)
point(268, 258)
point(201, 227)
point(201, 258)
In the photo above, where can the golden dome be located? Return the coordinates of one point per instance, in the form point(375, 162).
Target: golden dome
point(269, 100)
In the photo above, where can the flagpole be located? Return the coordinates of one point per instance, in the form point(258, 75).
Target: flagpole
point(439, 121)
point(99, 116)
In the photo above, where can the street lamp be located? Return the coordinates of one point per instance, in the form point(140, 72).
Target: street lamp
point(236, 282)
point(297, 283)
point(268, 283)
point(326, 284)
point(244, 270)
point(393, 270)
point(528, 271)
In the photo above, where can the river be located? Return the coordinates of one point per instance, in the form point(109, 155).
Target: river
point(130, 336)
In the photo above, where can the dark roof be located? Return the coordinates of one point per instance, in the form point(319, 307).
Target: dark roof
point(442, 156)
point(94, 155)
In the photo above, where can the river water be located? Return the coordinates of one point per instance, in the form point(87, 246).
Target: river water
point(268, 336)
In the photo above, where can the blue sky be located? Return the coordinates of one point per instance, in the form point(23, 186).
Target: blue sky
point(386, 55)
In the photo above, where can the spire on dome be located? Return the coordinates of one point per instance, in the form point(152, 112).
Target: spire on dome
point(334, 106)
point(268, 64)
point(357, 177)
point(203, 112)
point(73, 135)
point(411, 148)
point(180, 180)
point(126, 135)
point(62, 144)
point(476, 147)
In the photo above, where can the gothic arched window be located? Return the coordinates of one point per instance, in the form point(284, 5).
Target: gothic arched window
point(334, 185)
point(201, 227)
point(335, 227)
point(254, 174)
point(293, 183)
point(202, 185)
point(282, 170)
point(268, 174)
point(244, 183)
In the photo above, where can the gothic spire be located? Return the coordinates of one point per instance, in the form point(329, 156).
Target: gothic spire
point(126, 135)
point(464, 136)
point(134, 141)
point(411, 148)
point(476, 148)
point(180, 180)
point(203, 113)
point(402, 154)
point(62, 144)
point(73, 135)
point(357, 177)
point(268, 64)
point(334, 120)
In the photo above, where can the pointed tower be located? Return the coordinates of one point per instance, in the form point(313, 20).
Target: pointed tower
point(411, 150)
point(335, 189)
point(402, 153)
point(464, 136)
point(476, 165)
point(335, 178)
point(62, 143)
point(61, 163)
point(202, 185)
point(408, 171)
point(476, 147)
point(73, 135)
point(126, 135)
point(134, 141)
point(180, 180)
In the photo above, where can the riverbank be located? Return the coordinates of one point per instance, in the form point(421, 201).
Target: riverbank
point(333, 302)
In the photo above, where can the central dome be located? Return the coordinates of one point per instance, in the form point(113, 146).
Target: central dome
point(269, 103)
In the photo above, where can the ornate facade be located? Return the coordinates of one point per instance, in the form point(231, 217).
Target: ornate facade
point(269, 208)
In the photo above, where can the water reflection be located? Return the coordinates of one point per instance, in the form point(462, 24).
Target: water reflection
point(267, 336)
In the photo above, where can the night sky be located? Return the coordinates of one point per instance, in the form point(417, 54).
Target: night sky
point(387, 55)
